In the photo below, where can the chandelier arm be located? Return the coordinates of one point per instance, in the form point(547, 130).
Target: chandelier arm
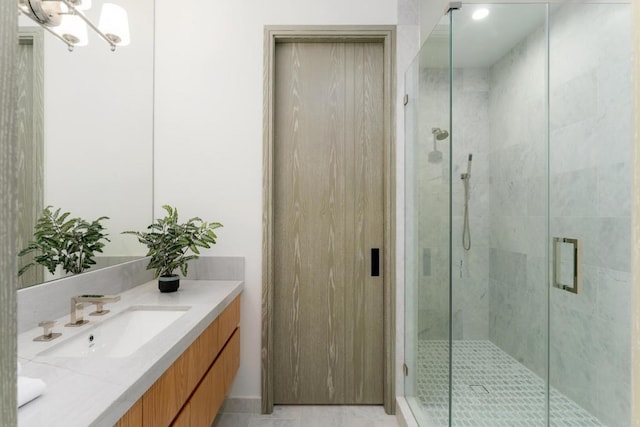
point(56, 35)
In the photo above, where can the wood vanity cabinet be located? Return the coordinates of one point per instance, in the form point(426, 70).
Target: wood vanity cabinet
point(191, 391)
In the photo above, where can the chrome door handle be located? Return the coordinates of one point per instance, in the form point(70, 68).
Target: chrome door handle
point(567, 264)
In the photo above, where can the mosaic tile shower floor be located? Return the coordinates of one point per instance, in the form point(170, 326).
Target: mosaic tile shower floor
point(490, 388)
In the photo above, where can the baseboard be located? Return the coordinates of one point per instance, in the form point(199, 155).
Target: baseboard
point(243, 405)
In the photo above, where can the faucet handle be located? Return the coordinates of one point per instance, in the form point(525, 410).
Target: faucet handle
point(100, 301)
point(47, 325)
point(48, 333)
point(100, 311)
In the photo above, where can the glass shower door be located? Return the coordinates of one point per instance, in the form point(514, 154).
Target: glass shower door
point(427, 225)
point(518, 252)
point(499, 216)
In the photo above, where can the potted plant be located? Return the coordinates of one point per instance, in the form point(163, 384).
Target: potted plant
point(172, 245)
point(67, 242)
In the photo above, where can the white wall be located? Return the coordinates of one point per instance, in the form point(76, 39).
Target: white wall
point(208, 133)
point(431, 11)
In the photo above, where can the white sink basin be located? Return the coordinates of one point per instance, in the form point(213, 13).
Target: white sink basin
point(121, 335)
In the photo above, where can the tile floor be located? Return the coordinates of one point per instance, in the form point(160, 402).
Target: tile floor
point(311, 416)
point(490, 388)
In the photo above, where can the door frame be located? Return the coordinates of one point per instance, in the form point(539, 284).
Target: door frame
point(280, 34)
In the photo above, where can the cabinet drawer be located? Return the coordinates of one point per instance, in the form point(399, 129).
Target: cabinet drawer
point(133, 417)
point(229, 321)
point(184, 417)
point(209, 395)
point(162, 402)
point(231, 360)
point(167, 395)
point(202, 353)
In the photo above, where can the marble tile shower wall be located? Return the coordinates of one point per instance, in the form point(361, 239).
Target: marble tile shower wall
point(470, 135)
point(590, 162)
point(433, 206)
point(590, 145)
point(518, 234)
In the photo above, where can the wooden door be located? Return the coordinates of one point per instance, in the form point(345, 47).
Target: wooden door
point(328, 216)
point(30, 154)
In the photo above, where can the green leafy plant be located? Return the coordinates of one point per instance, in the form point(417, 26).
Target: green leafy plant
point(69, 242)
point(172, 245)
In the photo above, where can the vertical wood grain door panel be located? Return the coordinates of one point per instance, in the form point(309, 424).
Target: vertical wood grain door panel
point(328, 215)
point(30, 132)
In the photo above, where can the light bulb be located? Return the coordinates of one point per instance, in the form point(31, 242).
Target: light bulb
point(74, 30)
point(480, 14)
point(115, 24)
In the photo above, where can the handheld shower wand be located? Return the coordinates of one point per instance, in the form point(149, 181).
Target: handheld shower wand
point(467, 176)
point(466, 232)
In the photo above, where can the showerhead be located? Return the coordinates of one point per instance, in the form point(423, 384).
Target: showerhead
point(439, 134)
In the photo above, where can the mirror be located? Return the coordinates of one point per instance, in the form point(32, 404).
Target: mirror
point(85, 130)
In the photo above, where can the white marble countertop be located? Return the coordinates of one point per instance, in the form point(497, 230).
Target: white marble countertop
point(98, 391)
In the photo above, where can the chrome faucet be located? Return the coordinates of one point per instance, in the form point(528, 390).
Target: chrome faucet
point(77, 318)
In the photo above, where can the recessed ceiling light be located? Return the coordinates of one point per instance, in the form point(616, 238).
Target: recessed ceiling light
point(480, 14)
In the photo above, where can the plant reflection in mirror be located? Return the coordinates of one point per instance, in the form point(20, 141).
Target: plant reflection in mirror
point(69, 242)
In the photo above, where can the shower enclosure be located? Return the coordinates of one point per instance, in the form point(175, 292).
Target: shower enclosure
point(518, 281)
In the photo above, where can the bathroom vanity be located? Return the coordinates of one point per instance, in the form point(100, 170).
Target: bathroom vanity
point(192, 390)
point(179, 376)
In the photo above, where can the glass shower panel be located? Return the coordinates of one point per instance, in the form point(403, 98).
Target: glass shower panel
point(427, 180)
point(411, 235)
point(499, 215)
point(590, 87)
point(518, 175)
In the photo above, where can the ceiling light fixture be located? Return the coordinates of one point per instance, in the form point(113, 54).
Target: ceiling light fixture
point(66, 21)
point(480, 14)
point(73, 30)
point(114, 24)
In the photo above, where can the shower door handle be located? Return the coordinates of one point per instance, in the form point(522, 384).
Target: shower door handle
point(567, 264)
point(375, 262)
